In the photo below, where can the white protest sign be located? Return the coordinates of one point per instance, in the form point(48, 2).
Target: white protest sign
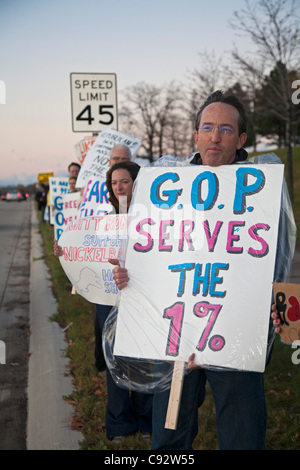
point(83, 146)
point(96, 161)
point(66, 209)
point(95, 198)
point(58, 186)
point(200, 258)
point(88, 243)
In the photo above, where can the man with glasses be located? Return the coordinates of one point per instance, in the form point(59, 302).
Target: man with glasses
point(220, 133)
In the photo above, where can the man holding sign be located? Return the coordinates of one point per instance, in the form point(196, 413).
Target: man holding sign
point(221, 126)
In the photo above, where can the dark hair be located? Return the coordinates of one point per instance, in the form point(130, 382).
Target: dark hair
point(221, 97)
point(131, 167)
point(75, 164)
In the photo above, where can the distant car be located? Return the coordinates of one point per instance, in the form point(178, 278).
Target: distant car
point(14, 196)
point(3, 197)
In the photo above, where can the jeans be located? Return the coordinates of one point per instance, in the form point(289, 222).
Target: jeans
point(126, 411)
point(240, 411)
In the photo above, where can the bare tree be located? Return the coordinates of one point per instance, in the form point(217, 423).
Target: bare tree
point(148, 110)
point(171, 97)
point(208, 77)
point(201, 82)
point(273, 28)
point(143, 100)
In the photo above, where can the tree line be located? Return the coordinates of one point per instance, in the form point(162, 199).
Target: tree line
point(266, 81)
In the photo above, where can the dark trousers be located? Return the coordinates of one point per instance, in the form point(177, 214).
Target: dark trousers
point(240, 411)
point(126, 411)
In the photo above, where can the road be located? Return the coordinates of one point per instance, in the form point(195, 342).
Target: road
point(34, 379)
point(15, 230)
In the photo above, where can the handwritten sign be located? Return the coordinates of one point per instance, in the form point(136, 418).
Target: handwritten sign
point(66, 209)
point(88, 243)
point(58, 186)
point(95, 198)
point(287, 299)
point(200, 257)
point(83, 146)
point(96, 161)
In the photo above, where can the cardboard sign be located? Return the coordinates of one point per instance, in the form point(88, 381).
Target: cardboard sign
point(88, 243)
point(287, 299)
point(200, 258)
point(83, 147)
point(65, 210)
point(95, 198)
point(96, 160)
point(58, 187)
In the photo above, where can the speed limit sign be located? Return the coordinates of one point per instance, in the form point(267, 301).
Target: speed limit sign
point(94, 102)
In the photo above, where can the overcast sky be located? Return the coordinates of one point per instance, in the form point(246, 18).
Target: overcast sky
point(43, 41)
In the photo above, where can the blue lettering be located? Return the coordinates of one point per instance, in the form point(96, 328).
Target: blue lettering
point(172, 194)
point(103, 193)
point(58, 206)
point(213, 191)
point(243, 189)
point(215, 279)
point(182, 269)
point(94, 192)
point(59, 218)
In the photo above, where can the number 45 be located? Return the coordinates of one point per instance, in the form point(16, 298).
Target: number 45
point(86, 114)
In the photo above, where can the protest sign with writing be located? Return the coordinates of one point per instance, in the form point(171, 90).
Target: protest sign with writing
point(66, 209)
point(83, 146)
point(97, 158)
point(95, 198)
point(58, 186)
point(287, 299)
point(200, 257)
point(88, 243)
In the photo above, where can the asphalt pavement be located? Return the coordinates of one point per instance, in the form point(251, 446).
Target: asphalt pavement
point(15, 231)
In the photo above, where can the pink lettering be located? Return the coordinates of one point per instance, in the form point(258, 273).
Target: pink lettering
point(164, 236)
point(149, 245)
point(264, 246)
point(231, 237)
point(184, 234)
point(212, 239)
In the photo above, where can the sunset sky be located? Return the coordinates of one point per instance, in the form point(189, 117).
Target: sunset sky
point(43, 41)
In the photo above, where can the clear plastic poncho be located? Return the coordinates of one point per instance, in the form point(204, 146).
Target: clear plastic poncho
point(148, 376)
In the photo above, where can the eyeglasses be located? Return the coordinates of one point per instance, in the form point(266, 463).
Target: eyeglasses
point(224, 130)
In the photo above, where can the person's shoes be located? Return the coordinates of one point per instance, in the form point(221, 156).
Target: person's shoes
point(117, 439)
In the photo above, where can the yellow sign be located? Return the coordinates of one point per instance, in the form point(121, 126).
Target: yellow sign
point(43, 178)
